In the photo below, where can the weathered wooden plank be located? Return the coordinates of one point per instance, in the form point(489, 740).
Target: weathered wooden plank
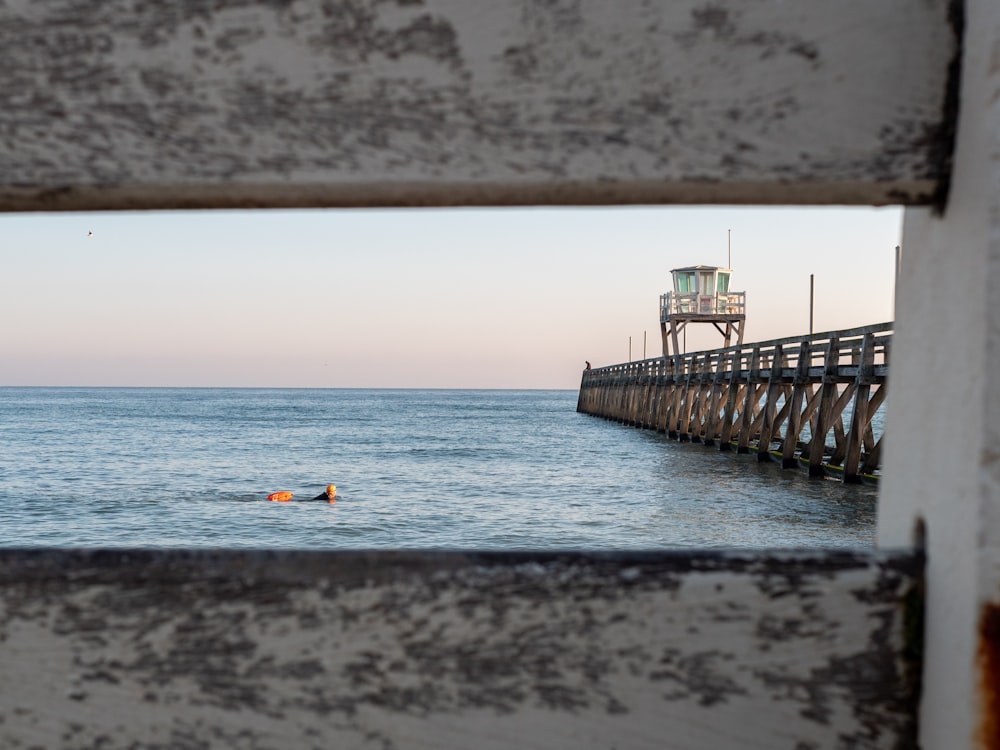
point(716, 400)
point(751, 404)
point(796, 418)
point(395, 649)
point(239, 103)
point(812, 404)
point(733, 391)
point(839, 434)
point(691, 380)
point(874, 456)
point(717, 394)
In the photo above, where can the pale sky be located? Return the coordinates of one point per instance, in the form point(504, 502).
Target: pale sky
point(440, 298)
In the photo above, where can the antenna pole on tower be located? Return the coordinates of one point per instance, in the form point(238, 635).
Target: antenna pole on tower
point(730, 265)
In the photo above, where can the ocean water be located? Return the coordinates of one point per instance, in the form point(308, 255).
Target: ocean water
point(445, 469)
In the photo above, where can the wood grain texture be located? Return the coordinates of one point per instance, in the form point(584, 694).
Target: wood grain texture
point(430, 649)
point(117, 104)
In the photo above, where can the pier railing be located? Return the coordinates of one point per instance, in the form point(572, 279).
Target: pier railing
point(810, 401)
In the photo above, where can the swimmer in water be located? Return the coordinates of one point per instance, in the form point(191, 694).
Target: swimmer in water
point(330, 495)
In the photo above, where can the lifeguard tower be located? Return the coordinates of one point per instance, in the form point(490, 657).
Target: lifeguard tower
point(701, 295)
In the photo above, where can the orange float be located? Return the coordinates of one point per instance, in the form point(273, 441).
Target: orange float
point(280, 497)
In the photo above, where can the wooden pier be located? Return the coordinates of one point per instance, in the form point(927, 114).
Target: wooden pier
point(807, 401)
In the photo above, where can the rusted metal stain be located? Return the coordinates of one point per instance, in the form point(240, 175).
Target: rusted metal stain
point(988, 662)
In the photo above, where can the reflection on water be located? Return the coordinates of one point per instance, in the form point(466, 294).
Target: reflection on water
point(713, 497)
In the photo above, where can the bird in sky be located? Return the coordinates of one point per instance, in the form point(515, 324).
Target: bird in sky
point(90, 234)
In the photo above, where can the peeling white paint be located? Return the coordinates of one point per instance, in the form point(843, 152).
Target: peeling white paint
point(447, 650)
point(249, 102)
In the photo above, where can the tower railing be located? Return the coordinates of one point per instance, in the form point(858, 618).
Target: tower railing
point(695, 303)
